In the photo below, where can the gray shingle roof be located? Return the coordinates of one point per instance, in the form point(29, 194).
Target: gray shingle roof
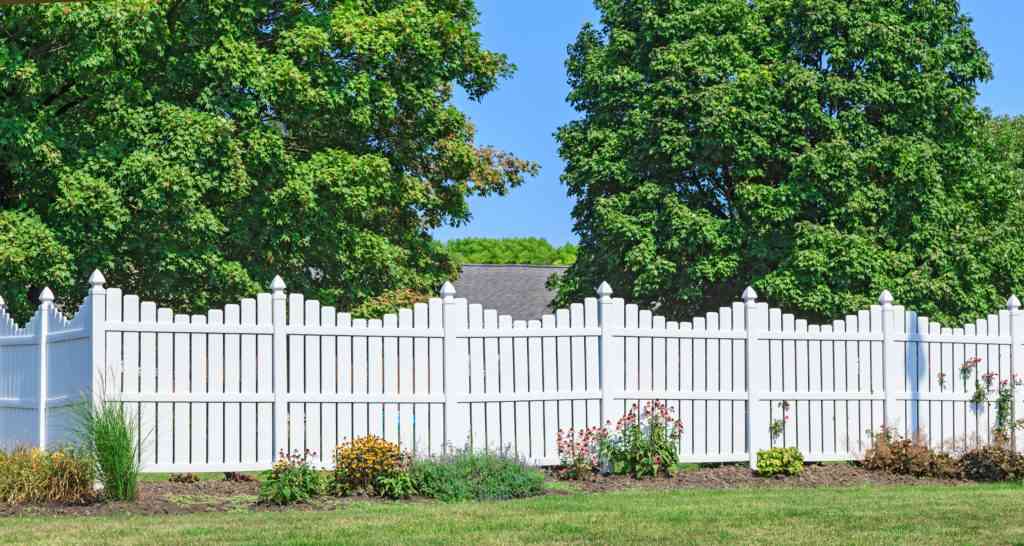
point(516, 290)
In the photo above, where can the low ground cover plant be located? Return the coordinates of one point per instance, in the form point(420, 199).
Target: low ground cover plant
point(292, 479)
point(475, 475)
point(34, 476)
point(780, 461)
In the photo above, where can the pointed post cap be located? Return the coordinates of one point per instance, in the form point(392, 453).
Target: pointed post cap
point(604, 291)
point(448, 291)
point(749, 295)
point(1013, 304)
point(277, 285)
point(46, 296)
point(97, 278)
point(886, 298)
point(2, 302)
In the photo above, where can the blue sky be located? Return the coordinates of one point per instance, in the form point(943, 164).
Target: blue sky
point(523, 113)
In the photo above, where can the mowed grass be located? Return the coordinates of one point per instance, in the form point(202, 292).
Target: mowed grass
point(969, 514)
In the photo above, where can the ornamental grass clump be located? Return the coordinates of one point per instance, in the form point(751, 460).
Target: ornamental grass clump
point(110, 434)
point(34, 476)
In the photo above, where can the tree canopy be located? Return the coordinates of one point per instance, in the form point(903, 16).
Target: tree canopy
point(193, 150)
point(511, 250)
point(820, 151)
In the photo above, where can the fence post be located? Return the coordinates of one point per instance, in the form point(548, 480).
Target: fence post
point(609, 364)
point(758, 416)
point(280, 363)
point(98, 336)
point(1013, 305)
point(42, 330)
point(894, 369)
point(456, 374)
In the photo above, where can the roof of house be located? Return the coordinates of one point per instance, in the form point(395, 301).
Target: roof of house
point(516, 290)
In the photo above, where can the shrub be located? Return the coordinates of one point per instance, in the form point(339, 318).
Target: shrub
point(645, 442)
point(187, 477)
point(291, 480)
point(896, 455)
point(108, 432)
point(396, 485)
point(579, 451)
point(31, 476)
point(238, 477)
point(475, 475)
point(995, 462)
point(780, 461)
point(360, 462)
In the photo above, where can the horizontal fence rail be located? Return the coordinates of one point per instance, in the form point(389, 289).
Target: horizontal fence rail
point(230, 389)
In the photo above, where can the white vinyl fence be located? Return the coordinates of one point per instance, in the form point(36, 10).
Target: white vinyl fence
point(229, 389)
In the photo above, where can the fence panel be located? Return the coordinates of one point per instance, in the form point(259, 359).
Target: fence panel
point(230, 389)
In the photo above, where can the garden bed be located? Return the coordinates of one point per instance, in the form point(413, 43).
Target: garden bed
point(740, 476)
point(164, 497)
point(157, 498)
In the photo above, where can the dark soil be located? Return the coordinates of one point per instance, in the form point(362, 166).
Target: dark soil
point(736, 476)
point(158, 498)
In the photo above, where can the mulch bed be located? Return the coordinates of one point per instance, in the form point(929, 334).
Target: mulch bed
point(740, 476)
point(159, 498)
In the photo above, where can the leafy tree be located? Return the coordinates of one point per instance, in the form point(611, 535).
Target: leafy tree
point(512, 250)
point(192, 150)
point(821, 151)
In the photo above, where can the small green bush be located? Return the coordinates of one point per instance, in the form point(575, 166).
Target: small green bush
point(292, 479)
point(475, 475)
point(780, 461)
point(33, 476)
point(395, 486)
point(992, 463)
point(109, 433)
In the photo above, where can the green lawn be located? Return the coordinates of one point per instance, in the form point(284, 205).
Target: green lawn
point(970, 514)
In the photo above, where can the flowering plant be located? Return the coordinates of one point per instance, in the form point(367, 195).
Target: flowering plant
point(969, 366)
point(1004, 409)
point(942, 380)
point(645, 441)
point(580, 451)
point(778, 426)
point(292, 479)
point(359, 463)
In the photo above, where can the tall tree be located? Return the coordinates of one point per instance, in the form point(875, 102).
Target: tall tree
point(192, 150)
point(820, 150)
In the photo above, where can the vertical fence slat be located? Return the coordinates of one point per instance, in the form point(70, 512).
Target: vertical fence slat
point(456, 378)
point(758, 412)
